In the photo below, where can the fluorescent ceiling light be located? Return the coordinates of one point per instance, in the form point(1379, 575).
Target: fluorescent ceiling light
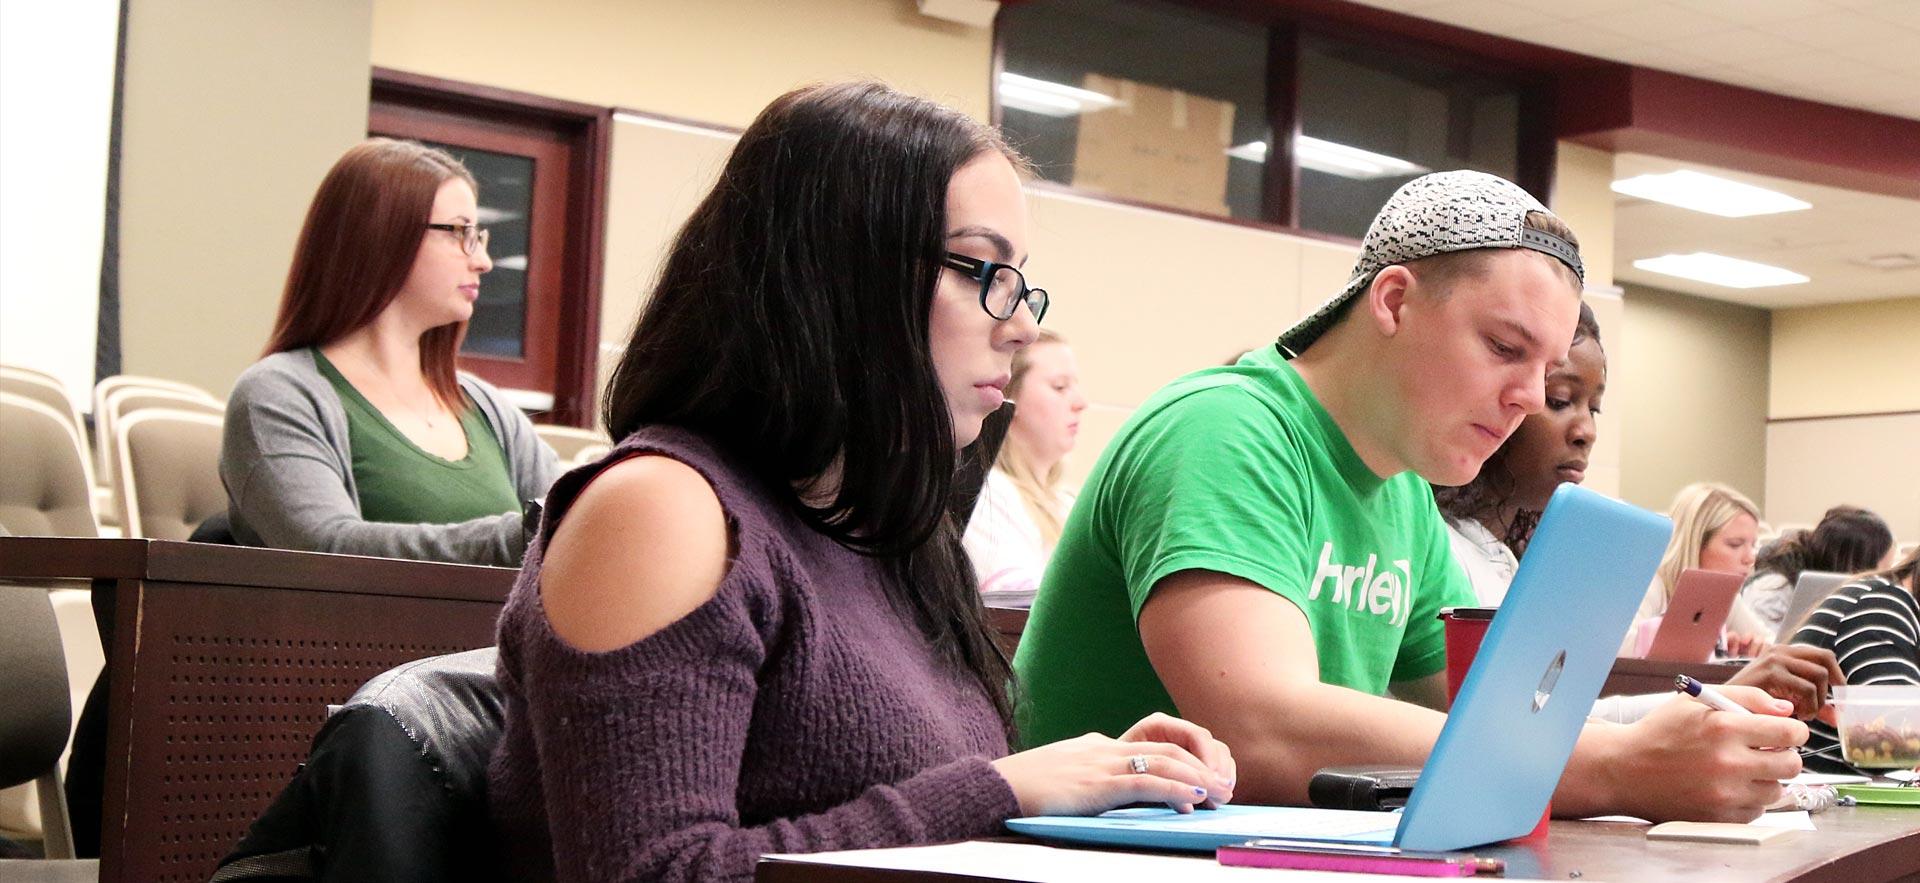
point(1714, 269)
point(1706, 193)
point(1050, 98)
point(1334, 159)
point(1252, 151)
point(1349, 162)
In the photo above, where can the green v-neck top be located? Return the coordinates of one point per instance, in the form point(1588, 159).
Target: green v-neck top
point(401, 483)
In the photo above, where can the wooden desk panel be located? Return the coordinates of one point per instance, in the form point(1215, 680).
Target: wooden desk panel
point(1007, 624)
point(228, 688)
point(223, 660)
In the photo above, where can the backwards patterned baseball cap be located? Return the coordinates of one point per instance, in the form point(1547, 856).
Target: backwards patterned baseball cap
point(1432, 215)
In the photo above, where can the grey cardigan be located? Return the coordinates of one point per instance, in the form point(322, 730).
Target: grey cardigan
point(288, 470)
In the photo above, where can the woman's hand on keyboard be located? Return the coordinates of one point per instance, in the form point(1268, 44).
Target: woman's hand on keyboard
point(1159, 760)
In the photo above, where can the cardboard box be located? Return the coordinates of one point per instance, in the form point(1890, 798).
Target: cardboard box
point(1158, 145)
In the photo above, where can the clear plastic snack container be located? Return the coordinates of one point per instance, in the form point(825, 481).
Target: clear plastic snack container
point(1879, 725)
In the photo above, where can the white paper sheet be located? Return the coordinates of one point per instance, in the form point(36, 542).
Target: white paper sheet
point(1792, 820)
point(1825, 779)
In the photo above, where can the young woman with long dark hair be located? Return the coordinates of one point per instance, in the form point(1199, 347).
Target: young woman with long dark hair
point(751, 627)
point(354, 433)
point(1848, 539)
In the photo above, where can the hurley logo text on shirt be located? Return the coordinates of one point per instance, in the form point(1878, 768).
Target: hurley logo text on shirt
point(1366, 589)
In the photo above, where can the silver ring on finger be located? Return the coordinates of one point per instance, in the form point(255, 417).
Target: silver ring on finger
point(1137, 763)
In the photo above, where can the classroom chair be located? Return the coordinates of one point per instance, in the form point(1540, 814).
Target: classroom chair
point(47, 488)
point(168, 473)
point(45, 389)
point(567, 441)
point(123, 394)
point(37, 716)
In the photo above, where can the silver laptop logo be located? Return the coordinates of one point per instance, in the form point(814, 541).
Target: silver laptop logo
point(1552, 677)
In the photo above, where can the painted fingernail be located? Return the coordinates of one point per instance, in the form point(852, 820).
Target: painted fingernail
point(1199, 791)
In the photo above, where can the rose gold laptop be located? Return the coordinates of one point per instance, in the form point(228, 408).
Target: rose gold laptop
point(1691, 627)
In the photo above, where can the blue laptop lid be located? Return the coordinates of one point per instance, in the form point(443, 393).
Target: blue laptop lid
point(1539, 669)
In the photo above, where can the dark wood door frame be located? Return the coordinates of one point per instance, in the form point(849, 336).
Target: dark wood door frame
point(591, 130)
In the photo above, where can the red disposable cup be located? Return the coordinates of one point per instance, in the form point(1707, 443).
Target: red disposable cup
point(1466, 627)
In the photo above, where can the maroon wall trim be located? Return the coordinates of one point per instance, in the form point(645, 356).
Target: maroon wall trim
point(1649, 111)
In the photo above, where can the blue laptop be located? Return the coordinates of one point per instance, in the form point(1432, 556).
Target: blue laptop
point(1512, 727)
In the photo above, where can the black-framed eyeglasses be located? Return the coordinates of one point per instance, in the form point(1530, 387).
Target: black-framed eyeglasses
point(1002, 287)
point(473, 237)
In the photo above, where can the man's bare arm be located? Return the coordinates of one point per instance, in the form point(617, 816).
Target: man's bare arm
point(1240, 660)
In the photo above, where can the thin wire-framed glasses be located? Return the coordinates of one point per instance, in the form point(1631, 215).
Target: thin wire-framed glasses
point(473, 237)
point(1002, 287)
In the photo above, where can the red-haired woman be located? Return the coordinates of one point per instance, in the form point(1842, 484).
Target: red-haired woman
point(354, 433)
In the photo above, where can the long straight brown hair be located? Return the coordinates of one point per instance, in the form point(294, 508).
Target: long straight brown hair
point(357, 246)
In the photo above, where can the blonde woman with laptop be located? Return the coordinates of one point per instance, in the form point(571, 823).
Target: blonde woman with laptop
point(1024, 503)
point(1714, 528)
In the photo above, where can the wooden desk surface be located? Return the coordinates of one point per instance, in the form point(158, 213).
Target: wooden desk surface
point(183, 562)
point(1867, 844)
point(1631, 677)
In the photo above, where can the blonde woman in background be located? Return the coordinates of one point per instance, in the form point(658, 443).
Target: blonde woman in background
point(1023, 506)
point(1714, 528)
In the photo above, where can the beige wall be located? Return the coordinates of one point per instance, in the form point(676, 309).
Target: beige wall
point(233, 111)
point(1813, 465)
point(658, 174)
point(1690, 375)
point(717, 61)
point(1583, 197)
point(1846, 359)
point(1834, 361)
point(1146, 296)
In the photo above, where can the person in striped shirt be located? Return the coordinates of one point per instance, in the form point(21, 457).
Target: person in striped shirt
point(1872, 625)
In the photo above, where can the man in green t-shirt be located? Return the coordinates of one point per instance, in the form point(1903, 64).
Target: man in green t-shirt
point(1258, 550)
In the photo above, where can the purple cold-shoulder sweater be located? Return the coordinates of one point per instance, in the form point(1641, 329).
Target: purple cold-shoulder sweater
point(798, 710)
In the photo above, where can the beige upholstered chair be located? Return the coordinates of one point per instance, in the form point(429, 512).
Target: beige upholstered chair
point(168, 471)
point(567, 442)
point(129, 398)
point(45, 487)
point(45, 490)
point(589, 454)
point(23, 808)
point(36, 721)
point(48, 390)
point(108, 385)
point(45, 389)
point(108, 406)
